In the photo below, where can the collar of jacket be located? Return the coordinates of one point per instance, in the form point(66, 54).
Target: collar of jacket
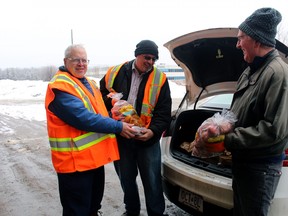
point(63, 68)
point(258, 62)
point(248, 79)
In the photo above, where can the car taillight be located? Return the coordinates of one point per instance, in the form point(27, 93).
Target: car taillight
point(285, 162)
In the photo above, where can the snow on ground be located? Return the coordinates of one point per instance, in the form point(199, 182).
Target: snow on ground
point(22, 90)
point(27, 91)
point(30, 96)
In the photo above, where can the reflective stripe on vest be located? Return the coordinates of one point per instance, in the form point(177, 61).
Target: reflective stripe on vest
point(83, 96)
point(152, 92)
point(110, 76)
point(78, 143)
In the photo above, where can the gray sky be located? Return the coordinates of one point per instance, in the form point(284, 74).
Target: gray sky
point(35, 33)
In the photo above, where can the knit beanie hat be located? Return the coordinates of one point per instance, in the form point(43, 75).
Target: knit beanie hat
point(262, 25)
point(146, 47)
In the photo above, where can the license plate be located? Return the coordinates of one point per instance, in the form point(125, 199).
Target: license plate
point(190, 199)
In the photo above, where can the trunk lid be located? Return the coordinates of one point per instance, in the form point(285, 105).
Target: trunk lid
point(211, 62)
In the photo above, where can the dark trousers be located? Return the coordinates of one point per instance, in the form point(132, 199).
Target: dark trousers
point(147, 161)
point(254, 186)
point(81, 193)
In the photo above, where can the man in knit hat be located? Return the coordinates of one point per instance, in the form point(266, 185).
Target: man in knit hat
point(260, 102)
point(147, 89)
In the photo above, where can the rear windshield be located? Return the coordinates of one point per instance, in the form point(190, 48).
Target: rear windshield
point(222, 101)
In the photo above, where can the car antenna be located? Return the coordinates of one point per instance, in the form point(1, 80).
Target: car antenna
point(72, 36)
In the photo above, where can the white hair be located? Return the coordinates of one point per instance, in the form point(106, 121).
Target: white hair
point(72, 47)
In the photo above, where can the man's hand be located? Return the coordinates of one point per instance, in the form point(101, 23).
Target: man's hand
point(145, 135)
point(127, 131)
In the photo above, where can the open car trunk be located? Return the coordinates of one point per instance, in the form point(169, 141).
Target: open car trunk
point(184, 129)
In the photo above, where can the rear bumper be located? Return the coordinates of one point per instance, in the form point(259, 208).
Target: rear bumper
point(216, 191)
point(172, 193)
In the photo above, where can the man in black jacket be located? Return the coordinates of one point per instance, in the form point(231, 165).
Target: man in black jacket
point(147, 89)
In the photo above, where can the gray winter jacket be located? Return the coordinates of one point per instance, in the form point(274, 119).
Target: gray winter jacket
point(261, 105)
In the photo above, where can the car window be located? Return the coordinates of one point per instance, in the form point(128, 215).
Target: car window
point(218, 101)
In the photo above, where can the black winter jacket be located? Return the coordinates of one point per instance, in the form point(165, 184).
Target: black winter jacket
point(162, 112)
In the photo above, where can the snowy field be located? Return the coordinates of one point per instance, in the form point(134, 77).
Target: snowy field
point(35, 91)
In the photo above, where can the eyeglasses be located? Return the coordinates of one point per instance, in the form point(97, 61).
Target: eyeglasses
point(78, 60)
point(148, 58)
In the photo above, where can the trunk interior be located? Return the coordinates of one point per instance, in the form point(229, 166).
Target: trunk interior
point(184, 129)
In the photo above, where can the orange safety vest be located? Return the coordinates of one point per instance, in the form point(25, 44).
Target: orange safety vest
point(153, 86)
point(72, 149)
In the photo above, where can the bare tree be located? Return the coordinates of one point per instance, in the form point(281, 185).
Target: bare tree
point(282, 34)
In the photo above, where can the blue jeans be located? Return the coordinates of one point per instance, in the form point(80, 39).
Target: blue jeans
point(148, 161)
point(254, 186)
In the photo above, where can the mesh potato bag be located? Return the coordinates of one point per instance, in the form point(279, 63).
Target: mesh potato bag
point(209, 138)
